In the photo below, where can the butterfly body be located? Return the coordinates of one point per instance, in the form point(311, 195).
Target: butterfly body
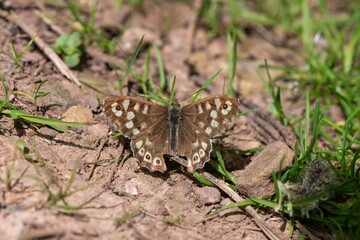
point(174, 118)
point(183, 133)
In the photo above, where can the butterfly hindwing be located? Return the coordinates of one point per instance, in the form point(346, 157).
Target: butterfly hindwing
point(195, 145)
point(151, 147)
point(202, 121)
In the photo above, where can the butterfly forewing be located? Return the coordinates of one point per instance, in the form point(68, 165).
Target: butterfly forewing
point(145, 124)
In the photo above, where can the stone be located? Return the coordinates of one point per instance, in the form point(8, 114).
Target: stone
point(78, 114)
point(208, 195)
point(131, 188)
point(255, 179)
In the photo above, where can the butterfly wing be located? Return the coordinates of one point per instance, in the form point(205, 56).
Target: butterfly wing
point(202, 121)
point(144, 123)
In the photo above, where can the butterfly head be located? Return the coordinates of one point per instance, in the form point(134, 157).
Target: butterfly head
point(175, 103)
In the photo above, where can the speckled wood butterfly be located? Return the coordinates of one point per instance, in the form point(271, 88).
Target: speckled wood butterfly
point(181, 133)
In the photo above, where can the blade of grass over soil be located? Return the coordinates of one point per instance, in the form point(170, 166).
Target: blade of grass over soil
point(204, 86)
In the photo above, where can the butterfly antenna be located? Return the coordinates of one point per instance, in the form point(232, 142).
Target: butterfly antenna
point(191, 95)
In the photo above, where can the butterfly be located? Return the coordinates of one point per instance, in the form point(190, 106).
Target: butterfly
point(182, 134)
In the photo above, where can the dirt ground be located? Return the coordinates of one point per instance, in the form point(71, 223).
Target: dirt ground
point(136, 204)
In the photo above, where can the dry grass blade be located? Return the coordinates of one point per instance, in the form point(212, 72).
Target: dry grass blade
point(118, 160)
point(61, 66)
point(268, 231)
point(104, 141)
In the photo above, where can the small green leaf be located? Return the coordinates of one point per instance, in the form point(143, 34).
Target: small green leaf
point(72, 60)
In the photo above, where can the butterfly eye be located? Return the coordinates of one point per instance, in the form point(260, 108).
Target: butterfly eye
point(225, 106)
point(158, 161)
point(147, 156)
point(196, 157)
point(117, 108)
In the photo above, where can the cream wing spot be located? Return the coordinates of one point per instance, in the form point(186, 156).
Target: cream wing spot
point(138, 144)
point(214, 123)
point(130, 115)
point(228, 103)
point(196, 144)
point(201, 153)
point(129, 124)
point(208, 130)
point(126, 104)
point(135, 131)
point(204, 145)
point(136, 106)
point(224, 112)
point(141, 152)
point(207, 106)
point(217, 103)
point(201, 124)
point(117, 113)
point(213, 114)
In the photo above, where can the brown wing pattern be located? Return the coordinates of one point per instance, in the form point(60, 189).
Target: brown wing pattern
point(145, 124)
point(202, 121)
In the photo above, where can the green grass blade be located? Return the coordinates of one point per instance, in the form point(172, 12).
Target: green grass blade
point(244, 203)
point(133, 58)
point(163, 80)
point(203, 180)
point(172, 93)
point(232, 60)
point(204, 86)
point(306, 23)
point(40, 120)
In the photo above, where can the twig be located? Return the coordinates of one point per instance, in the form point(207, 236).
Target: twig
point(97, 157)
point(268, 231)
point(61, 66)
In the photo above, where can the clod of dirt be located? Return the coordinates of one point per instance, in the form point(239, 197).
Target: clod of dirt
point(94, 133)
point(148, 184)
point(90, 101)
point(156, 206)
point(177, 198)
point(255, 179)
point(208, 195)
point(78, 114)
point(47, 132)
point(8, 150)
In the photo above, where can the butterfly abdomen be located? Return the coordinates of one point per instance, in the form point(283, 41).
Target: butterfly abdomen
point(174, 118)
